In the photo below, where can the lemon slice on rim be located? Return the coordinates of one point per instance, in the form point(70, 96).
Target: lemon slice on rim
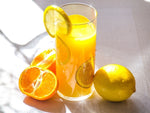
point(56, 21)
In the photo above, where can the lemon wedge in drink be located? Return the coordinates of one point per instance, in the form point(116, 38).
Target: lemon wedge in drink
point(56, 20)
point(85, 74)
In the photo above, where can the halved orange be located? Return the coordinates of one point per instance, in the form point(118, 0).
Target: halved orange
point(46, 60)
point(38, 83)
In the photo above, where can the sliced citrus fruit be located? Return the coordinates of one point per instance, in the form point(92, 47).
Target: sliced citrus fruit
point(85, 74)
point(63, 51)
point(52, 67)
point(40, 84)
point(56, 20)
point(46, 59)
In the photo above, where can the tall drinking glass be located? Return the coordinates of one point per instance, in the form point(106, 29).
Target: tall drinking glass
point(75, 53)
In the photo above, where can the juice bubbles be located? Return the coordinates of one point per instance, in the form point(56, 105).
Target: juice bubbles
point(75, 56)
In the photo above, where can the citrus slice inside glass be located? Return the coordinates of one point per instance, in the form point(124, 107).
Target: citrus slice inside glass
point(38, 83)
point(85, 74)
point(56, 20)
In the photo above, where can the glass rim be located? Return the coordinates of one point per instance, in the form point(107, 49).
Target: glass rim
point(84, 4)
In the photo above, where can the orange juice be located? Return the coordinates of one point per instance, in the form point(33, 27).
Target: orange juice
point(74, 27)
point(75, 54)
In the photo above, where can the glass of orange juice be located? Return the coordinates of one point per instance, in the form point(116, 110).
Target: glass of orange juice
point(75, 53)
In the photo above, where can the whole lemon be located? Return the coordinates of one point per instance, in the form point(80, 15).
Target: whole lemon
point(114, 82)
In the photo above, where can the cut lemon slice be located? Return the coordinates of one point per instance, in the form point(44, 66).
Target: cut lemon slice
point(85, 74)
point(56, 21)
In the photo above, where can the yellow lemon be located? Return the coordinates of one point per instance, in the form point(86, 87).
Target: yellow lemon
point(114, 82)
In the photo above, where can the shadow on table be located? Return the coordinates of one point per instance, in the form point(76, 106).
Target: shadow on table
point(54, 105)
point(95, 104)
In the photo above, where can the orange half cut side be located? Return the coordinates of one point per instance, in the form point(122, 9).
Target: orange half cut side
point(40, 84)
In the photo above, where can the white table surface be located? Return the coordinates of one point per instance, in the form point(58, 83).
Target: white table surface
point(123, 37)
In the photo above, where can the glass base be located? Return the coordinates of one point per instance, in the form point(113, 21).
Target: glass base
point(75, 98)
